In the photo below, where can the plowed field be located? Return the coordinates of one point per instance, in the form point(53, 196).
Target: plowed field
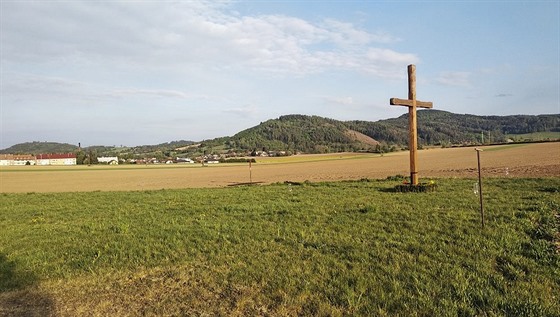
point(519, 160)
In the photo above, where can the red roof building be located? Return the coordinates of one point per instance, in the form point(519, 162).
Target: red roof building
point(52, 156)
point(56, 159)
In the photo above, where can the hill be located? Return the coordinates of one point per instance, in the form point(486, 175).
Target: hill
point(54, 147)
point(314, 134)
point(310, 134)
point(40, 147)
point(436, 127)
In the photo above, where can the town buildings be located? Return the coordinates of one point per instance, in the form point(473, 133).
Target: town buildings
point(111, 160)
point(40, 159)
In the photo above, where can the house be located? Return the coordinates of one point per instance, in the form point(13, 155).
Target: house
point(6, 159)
point(56, 159)
point(43, 159)
point(111, 160)
point(17, 160)
point(40, 159)
point(24, 159)
point(184, 160)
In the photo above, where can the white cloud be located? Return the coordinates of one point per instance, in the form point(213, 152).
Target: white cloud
point(346, 34)
point(19, 88)
point(244, 112)
point(20, 83)
point(185, 34)
point(79, 58)
point(150, 92)
point(454, 79)
point(343, 101)
point(387, 63)
point(503, 95)
point(46, 87)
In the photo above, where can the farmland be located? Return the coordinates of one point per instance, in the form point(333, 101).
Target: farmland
point(333, 246)
point(520, 160)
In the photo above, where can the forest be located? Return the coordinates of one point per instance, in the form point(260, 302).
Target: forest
point(313, 134)
point(296, 133)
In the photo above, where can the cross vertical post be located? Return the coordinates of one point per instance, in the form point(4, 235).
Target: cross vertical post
point(412, 104)
point(412, 123)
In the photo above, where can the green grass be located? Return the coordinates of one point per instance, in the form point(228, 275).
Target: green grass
point(503, 147)
point(332, 249)
point(537, 136)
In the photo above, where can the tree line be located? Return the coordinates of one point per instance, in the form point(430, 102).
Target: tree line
point(314, 134)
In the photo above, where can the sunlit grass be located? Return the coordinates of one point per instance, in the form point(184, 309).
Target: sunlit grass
point(344, 248)
point(503, 147)
point(537, 135)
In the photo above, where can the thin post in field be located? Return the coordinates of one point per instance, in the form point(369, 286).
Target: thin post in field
point(480, 186)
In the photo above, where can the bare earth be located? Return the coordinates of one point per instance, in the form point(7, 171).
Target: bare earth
point(526, 160)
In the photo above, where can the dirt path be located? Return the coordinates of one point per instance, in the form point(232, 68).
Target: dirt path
point(526, 160)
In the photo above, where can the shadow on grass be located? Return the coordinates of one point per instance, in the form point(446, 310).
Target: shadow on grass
point(405, 188)
point(10, 278)
point(388, 190)
point(18, 294)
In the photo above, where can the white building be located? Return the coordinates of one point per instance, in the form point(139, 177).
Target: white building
point(56, 159)
point(6, 159)
point(111, 160)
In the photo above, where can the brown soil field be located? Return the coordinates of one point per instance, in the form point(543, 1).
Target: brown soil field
point(518, 160)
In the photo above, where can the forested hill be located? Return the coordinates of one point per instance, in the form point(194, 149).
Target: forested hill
point(437, 127)
point(312, 134)
point(299, 133)
point(54, 147)
point(40, 147)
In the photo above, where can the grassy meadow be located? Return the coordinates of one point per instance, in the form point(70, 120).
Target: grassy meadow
point(353, 248)
point(536, 136)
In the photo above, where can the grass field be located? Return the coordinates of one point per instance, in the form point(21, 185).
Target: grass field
point(536, 136)
point(350, 248)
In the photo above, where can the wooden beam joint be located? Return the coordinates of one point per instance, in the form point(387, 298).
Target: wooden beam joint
point(409, 103)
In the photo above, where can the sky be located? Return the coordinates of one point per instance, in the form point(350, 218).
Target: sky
point(147, 72)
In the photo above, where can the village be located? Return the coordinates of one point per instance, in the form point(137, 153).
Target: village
point(66, 159)
point(40, 159)
point(58, 159)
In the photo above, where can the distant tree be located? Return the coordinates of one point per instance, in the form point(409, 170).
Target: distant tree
point(91, 158)
point(80, 157)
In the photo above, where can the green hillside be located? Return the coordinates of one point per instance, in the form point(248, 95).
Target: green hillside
point(313, 134)
point(310, 134)
point(40, 147)
point(436, 127)
point(54, 147)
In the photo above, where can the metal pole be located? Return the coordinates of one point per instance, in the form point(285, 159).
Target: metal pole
point(480, 186)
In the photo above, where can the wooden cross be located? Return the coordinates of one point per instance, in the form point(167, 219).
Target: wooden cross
point(412, 103)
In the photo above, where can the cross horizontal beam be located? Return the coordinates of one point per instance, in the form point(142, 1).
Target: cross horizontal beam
point(409, 103)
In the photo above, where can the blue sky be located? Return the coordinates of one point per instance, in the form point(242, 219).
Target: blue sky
point(148, 72)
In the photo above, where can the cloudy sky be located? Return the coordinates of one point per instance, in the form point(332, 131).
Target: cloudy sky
point(148, 72)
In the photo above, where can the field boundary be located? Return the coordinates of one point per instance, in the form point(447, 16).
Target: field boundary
point(527, 160)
